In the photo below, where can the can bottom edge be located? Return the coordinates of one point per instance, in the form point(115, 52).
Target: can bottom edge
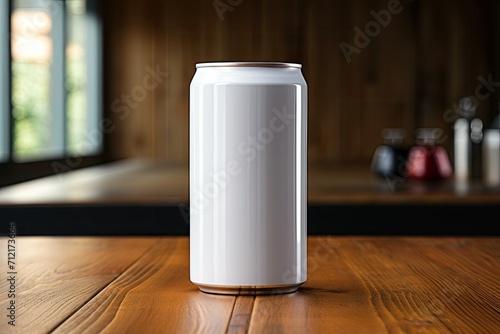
point(249, 290)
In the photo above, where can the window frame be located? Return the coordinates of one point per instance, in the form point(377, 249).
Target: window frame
point(12, 171)
point(5, 96)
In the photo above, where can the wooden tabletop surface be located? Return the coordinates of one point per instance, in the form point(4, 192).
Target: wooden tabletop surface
point(355, 285)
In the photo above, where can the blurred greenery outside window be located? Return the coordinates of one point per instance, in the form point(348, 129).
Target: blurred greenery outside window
point(50, 83)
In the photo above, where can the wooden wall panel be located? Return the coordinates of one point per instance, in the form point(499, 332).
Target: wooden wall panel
point(388, 86)
point(128, 42)
point(322, 70)
point(408, 75)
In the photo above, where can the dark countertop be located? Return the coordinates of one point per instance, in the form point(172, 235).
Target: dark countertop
point(147, 197)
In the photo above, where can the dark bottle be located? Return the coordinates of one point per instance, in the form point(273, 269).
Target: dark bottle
point(389, 159)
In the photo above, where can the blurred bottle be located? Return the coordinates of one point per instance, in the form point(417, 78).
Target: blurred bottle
point(428, 160)
point(476, 139)
point(491, 157)
point(467, 141)
point(461, 149)
point(389, 159)
point(491, 153)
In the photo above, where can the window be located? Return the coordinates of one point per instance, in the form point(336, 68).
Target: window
point(50, 84)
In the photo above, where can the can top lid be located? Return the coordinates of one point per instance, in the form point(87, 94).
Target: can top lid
point(249, 64)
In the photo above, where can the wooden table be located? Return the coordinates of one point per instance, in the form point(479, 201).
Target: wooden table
point(138, 284)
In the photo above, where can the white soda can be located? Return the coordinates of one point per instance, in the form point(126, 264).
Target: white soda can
point(248, 177)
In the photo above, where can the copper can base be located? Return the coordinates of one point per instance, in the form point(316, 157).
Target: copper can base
point(249, 290)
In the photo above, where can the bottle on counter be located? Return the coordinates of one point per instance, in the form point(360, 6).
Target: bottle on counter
point(476, 140)
point(467, 141)
point(389, 159)
point(461, 149)
point(491, 157)
point(427, 160)
point(491, 154)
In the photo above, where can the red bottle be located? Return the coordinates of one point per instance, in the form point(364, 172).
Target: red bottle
point(427, 160)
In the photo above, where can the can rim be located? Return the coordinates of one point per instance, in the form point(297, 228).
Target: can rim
point(250, 64)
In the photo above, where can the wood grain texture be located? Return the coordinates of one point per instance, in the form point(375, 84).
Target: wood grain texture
point(407, 75)
point(56, 276)
point(391, 285)
point(153, 296)
point(241, 315)
point(355, 285)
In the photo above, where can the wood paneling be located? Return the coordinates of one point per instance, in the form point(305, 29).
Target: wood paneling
point(410, 72)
